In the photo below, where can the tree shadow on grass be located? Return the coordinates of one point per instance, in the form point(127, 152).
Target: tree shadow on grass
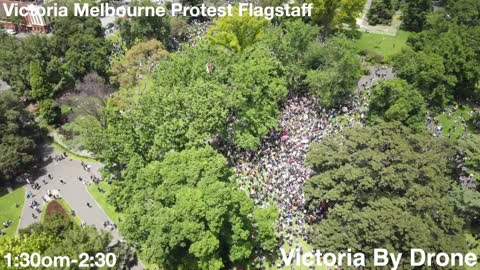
point(3, 191)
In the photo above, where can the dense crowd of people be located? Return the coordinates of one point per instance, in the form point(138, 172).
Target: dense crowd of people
point(276, 173)
point(459, 129)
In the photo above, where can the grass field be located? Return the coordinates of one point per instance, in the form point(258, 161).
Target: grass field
point(454, 122)
point(9, 211)
point(101, 199)
point(60, 148)
point(383, 44)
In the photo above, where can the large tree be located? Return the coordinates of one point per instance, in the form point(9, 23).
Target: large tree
point(18, 137)
point(396, 100)
point(138, 62)
point(237, 32)
point(194, 97)
point(465, 12)
point(427, 73)
point(415, 14)
point(86, 53)
point(290, 42)
point(443, 61)
point(25, 244)
point(471, 152)
point(37, 81)
point(16, 56)
point(186, 213)
point(52, 63)
point(59, 235)
point(332, 14)
point(141, 28)
point(335, 71)
point(381, 12)
point(383, 186)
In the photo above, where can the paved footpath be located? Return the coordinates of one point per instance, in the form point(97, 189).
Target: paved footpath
point(74, 192)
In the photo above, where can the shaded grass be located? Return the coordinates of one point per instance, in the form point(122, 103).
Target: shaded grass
point(382, 44)
point(8, 211)
point(454, 122)
point(102, 200)
point(60, 148)
point(3, 191)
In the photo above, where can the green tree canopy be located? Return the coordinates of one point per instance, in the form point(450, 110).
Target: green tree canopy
point(443, 61)
point(396, 100)
point(236, 32)
point(50, 111)
point(381, 12)
point(466, 12)
point(335, 71)
point(290, 43)
point(61, 236)
point(37, 81)
point(86, 53)
point(471, 151)
point(138, 62)
point(189, 215)
point(80, 43)
point(142, 28)
point(52, 63)
point(16, 56)
point(467, 203)
point(415, 14)
point(383, 186)
point(427, 73)
point(29, 244)
point(18, 137)
point(332, 14)
point(195, 96)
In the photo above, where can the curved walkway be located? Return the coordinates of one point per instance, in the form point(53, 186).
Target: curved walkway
point(73, 191)
point(363, 25)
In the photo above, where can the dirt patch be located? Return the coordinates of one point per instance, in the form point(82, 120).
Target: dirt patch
point(55, 209)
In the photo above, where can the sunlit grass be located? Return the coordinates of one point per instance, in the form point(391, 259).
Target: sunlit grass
point(383, 44)
point(9, 211)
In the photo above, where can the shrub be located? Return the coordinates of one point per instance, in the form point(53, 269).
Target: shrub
point(381, 12)
point(50, 111)
point(372, 56)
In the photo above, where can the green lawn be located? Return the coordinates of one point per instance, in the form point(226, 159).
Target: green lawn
point(454, 122)
point(9, 211)
point(383, 44)
point(101, 199)
point(60, 148)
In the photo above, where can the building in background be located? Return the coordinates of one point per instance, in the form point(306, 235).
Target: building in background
point(30, 23)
